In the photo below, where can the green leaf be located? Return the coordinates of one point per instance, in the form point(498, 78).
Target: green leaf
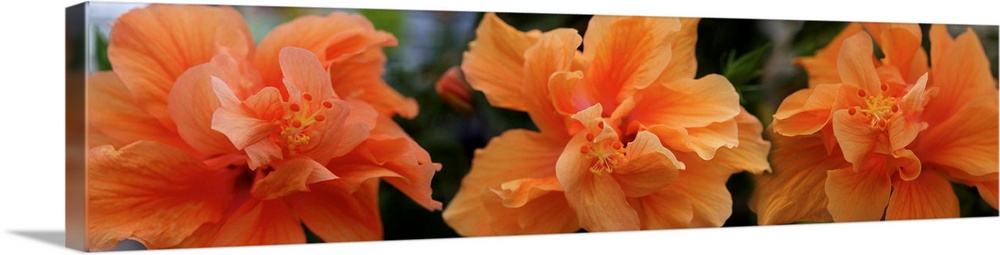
point(103, 64)
point(743, 69)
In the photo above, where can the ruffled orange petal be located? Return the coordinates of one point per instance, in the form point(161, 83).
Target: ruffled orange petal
point(855, 63)
point(338, 216)
point(250, 123)
point(751, 153)
point(96, 138)
point(988, 190)
point(598, 200)
point(303, 73)
point(590, 120)
point(334, 37)
point(665, 209)
point(519, 192)
point(495, 60)
point(113, 113)
point(961, 73)
point(262, 153)
point(901, 44)
point(687, 103)
point(260, 223)
point(545, 214)
point(649, 168)
point(903, 128)
point(967, 141)
point(152, 192)
point(515, 154)
point(918, 66)
point(238, 73)
point(549, 213)
point(854, 134)
point(683, 64)
point(705, 141)
point(150, 47)
point(553, 53)
point(807, 111)
point(350, 48)
point(354, 170)
point(822, 67)
point(265, 104)
point(917, 97)
point(360, 78)
point(241, 124)
point(192, 103)
point(829, 139)
point(907, 164)
point(879, 31)
point(626, 53)
point(940, 42)
point(927, 197)
point(203, 237)
point(568, 94)
point(858, 196)
point(347, 125)
point(647, 143)
point(702, 185)
point(794, 191)
point(290, 176)
point(392, 155)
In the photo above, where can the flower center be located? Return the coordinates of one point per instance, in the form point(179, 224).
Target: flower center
point(292, 128)
point(879, 108)
point(605, 155)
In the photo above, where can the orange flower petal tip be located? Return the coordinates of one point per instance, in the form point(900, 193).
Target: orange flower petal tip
point(454, 91)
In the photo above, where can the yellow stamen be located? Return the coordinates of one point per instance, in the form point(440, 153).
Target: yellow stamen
point(605, 156)
point(880, 109)
point(292, 129)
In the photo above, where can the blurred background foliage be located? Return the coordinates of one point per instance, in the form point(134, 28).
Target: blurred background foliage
point(755, 55)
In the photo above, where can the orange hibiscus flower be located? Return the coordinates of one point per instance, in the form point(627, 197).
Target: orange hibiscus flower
point(627, 139)
point(881, 138)
point(200, 139)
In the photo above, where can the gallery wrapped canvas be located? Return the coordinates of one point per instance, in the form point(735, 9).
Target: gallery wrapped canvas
point(201, 125)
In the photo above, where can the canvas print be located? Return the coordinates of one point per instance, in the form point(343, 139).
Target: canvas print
point(209, 126)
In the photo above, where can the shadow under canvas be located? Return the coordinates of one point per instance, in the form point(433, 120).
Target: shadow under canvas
point(54, 237)
point(58, 238)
